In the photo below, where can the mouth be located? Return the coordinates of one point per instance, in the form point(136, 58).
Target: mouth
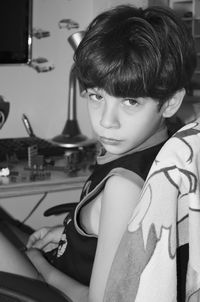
point(109, 141)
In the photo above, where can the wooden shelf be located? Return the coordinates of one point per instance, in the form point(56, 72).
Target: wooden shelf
point(192, 7)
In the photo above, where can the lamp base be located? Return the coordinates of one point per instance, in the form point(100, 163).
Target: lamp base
point(71, 136)
point(72, 142)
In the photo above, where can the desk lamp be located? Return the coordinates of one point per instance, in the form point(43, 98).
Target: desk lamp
point(71, 135)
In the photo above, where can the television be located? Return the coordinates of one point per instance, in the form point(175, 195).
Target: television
point(16, 31)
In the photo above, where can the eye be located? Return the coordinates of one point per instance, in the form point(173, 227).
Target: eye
point(130, 102)
point(95, 97)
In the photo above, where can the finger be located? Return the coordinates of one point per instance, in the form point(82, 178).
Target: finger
point(31, 241)
point(50, 247)
point(37, 235)
point(44, 241)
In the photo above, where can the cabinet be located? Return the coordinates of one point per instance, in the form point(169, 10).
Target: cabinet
point(189, 10)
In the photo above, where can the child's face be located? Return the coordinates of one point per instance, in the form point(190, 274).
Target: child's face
point(122, 124)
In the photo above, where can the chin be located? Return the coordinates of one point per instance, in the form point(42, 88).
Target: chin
point(114, 150)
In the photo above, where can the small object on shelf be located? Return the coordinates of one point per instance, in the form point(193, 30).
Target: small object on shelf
point(82, 158)
point(40, 33)
point(32, 153)
point(38, 175)
point(68, 23)
point(27, 125)
point(187, 15)
point(4, 171)
point(41, 65)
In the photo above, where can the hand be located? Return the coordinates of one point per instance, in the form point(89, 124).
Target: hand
point(46, 238)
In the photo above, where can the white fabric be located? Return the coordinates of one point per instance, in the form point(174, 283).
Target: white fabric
point(167, 216)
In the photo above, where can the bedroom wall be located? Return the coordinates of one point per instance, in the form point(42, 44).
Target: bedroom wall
point(43, 96)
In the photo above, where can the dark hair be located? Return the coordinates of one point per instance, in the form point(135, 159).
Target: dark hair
point(134, 52)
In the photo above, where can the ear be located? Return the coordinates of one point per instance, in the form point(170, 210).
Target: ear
point(171, 106)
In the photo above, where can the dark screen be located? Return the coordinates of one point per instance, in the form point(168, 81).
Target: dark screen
point(15, 31)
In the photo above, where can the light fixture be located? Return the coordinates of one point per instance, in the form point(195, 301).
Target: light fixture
point(71, 135)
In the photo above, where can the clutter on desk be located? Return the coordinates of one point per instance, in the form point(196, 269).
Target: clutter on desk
point(34, 159)
point(39, 157)
point(4, 172)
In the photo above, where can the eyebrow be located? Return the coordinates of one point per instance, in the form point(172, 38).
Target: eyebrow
point(95, 90)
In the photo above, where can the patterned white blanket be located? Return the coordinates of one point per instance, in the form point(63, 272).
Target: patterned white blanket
point(166, 218)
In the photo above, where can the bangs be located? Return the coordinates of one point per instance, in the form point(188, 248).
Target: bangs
point(128, 75)
point(116, 79)
point(136, 53)
point(119, 64)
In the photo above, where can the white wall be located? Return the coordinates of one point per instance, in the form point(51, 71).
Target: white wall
point(43, 96)
point(100, 5)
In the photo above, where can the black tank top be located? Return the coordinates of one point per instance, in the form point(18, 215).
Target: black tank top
point(76, 251)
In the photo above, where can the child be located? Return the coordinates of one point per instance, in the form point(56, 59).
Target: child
point(135, 66)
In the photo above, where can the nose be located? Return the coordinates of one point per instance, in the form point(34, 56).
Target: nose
point(110, 118)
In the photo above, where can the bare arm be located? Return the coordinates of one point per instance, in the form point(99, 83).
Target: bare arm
point(119, 199)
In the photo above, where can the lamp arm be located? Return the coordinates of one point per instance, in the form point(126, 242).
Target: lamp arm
point(72, 94)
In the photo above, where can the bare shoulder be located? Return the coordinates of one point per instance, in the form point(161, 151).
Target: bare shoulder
point(118, 185)
point(121, 180)
point(120, 193)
